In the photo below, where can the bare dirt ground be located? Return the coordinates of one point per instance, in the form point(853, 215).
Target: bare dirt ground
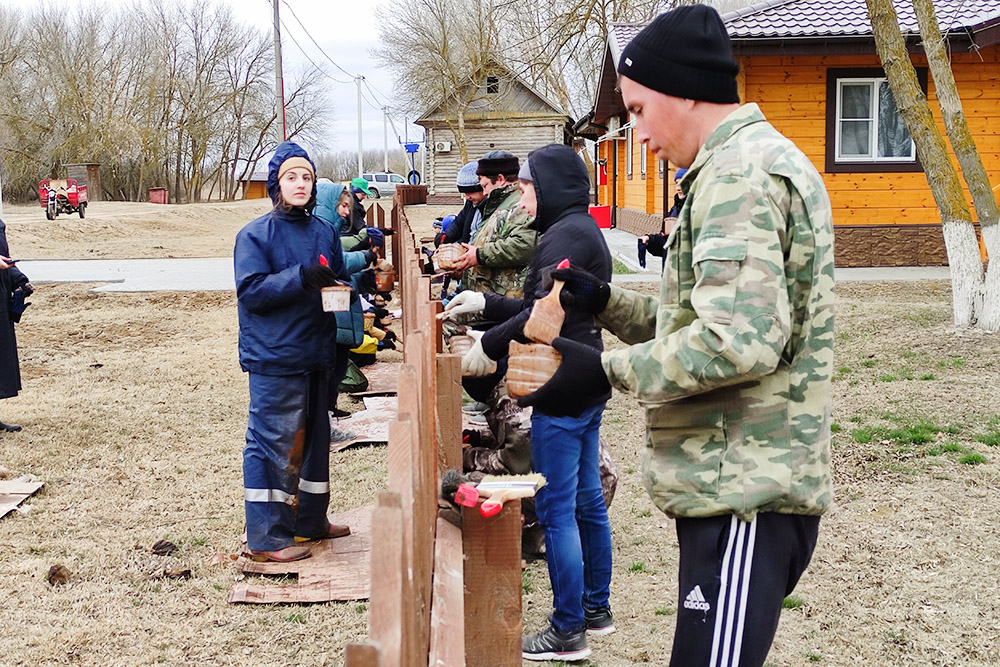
point(134, 409)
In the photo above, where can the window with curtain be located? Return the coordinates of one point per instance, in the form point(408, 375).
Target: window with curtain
point(869, 128)
point(864, 132)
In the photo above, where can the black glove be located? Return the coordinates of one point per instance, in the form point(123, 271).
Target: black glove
point(370, 257)
point(642, 253)
point(656, 243)
point(582, 291)
point(318, 275)
point(578, 384)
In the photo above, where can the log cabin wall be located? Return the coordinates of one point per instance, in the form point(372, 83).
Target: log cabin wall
point(880, 218)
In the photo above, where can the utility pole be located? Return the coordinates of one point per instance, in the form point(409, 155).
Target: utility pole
point(279, 83)
point(385, 138)
point(358, 80)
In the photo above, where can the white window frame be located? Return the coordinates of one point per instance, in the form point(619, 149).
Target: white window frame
point(643, 157)
point(871, 157)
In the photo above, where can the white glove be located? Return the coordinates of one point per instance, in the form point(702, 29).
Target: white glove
point(475, 363)
point(465, 303)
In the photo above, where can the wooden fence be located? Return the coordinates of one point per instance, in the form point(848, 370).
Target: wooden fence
point(440, 595)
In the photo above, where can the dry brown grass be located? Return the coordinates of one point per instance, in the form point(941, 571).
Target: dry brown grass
point(147, 446)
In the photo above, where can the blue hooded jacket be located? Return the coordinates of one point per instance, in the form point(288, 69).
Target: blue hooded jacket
point(283, 329)
point(327, 196)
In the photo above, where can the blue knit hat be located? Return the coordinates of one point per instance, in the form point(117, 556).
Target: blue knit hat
point(680, 173)
point(467, 179)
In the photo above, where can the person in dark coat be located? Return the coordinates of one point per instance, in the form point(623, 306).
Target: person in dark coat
point(555, 188)
point(287, 344)
point(359, 188)
point(14, 287)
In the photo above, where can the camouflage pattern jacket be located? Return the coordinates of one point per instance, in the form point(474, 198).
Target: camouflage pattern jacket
point(733, 361)
point(505, 246)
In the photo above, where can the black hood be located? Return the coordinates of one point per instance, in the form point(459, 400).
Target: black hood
point(562, 183)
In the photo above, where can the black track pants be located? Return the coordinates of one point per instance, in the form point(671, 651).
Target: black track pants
point(734, 576)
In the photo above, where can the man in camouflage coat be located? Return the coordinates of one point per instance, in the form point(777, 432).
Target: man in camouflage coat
point(733, 361)
point(503, 244)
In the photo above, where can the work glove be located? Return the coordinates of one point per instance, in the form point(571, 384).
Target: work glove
point(578, 384)
point(376, 237)
point(317, 276)
point(656, 244)
point(582, 291)
point(370, 257)
point(475, 362)
point(465, 303)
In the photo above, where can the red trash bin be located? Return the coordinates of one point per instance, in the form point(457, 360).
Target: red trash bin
point(602, 214)
point(158, 195)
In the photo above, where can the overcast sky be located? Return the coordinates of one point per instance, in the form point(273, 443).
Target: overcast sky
point(346, 30)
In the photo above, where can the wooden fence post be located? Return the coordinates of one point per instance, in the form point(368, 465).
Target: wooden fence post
point(492, 550)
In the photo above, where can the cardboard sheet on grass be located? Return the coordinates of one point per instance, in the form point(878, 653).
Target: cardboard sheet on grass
point(339, 569)
point(382, 379)
point(370, 425)
point(13, 493)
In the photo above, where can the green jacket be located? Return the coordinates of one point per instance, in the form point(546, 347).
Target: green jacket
point(733, 361)
point(505, 246)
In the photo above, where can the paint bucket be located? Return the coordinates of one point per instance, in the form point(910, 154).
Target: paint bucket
point(445, 256)
point(384, 280)
point(336, 298)
point(460, 344)
point(530, 366)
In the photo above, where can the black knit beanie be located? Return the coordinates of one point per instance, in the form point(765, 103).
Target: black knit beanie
point(495, 163)
point(684, 53)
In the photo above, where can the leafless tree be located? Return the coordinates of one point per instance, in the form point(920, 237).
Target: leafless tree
point(973, 304)
point(161, 94)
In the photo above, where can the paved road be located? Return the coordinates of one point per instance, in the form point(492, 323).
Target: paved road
point(136, 275)
point(216, 273)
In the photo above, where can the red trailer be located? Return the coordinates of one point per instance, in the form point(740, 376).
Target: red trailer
point(62, 196)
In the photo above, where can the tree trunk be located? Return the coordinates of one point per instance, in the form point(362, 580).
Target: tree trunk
point(959, 234)
point(968, 156)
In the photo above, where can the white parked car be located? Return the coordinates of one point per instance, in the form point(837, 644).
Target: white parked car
point(383, 183)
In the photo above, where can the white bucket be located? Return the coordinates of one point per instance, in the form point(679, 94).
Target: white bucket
point(336, 298)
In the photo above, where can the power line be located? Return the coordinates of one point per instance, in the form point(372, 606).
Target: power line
point(335, 64)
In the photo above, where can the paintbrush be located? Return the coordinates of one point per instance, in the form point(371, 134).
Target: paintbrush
point(501, 488)
point(547, 313)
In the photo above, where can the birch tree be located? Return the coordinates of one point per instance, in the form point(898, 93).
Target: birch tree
point(967, 276)
point(969, 160)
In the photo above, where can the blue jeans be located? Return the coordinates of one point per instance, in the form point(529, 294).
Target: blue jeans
point(572, 513)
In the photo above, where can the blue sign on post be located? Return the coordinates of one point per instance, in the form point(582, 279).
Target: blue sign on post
point(411, 147)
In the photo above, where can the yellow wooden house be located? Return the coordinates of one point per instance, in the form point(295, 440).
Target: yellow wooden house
point(812, 67)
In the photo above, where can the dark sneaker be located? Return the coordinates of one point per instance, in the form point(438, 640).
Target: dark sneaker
point(599, 621)
point(554, 644)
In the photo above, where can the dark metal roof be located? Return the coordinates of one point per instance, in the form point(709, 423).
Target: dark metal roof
point(776, 19)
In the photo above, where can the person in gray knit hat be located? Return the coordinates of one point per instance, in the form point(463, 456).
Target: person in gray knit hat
point(498, 254)
point(733, 360)
point(463, 229)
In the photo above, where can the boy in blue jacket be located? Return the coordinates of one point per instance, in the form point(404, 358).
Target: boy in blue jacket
point(288, 346)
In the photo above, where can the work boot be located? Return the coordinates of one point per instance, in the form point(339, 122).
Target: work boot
point(554, 644)
point(286, 555)
point(9, 427)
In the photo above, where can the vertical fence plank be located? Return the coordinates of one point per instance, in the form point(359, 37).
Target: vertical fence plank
point(385, 614)
point(492, 550)
point(362, 655)
point(449, 410)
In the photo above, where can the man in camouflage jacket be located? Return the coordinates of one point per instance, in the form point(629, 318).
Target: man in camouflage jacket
point(503, 244)
point(733, 360)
